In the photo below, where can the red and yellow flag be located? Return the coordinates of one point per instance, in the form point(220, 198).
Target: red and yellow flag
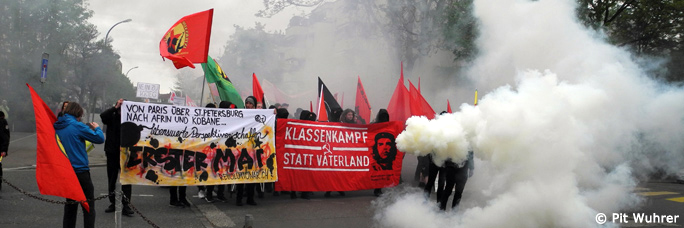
point(187, 41)
point(54, 173)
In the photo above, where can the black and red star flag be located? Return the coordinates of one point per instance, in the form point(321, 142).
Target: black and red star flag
point(326, 102)
point(187, 41)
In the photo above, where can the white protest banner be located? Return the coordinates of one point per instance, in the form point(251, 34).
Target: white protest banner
point(176, 145)
point(147, 90)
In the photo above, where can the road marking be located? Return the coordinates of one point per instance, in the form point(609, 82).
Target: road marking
point(215, 216)
point(23, 138)
point(657, 193)
point(678, 199)
point(143, 195)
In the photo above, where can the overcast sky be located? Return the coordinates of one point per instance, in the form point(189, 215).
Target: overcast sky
point(138, 41)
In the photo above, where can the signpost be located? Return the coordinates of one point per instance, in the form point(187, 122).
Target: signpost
point(43, 69)
point(147, 90)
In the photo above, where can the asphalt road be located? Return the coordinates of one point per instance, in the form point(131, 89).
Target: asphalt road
point(18, 209)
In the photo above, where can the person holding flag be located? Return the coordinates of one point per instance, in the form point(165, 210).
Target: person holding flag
point(73, 135)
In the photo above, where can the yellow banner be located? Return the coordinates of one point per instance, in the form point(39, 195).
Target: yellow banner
point(175, 145)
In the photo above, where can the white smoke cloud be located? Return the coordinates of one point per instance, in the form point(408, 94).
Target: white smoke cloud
point(567, 123)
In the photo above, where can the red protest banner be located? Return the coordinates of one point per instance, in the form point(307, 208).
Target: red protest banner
point(322, 156)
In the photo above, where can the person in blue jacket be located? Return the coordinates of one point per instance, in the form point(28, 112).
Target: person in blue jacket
point(73, 134)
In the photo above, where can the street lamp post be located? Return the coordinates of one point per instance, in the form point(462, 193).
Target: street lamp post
point(129, 70)
point(110, 29)
point(106, 41)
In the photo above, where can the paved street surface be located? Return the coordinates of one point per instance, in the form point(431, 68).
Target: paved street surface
point(353, 210)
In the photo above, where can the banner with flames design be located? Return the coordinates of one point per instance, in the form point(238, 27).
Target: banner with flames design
point(177, 145)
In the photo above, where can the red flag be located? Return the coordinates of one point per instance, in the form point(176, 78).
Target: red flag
point(419, 106)
point(187, 41)
point(189, 102)
point(449, 107)
point(399, 107)
point(275, 94)
point(418, 84)
point(172, 97)
point(362, 106)
point(321, 112)
point(54, 173)
point(311, 106)
point(257, 91)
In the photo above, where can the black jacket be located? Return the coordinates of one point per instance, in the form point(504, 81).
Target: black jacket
point(112, 118)
point(4, 135)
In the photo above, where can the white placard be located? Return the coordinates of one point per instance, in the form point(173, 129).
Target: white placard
point(147, 90)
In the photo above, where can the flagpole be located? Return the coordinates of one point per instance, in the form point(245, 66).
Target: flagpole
point(202, 97)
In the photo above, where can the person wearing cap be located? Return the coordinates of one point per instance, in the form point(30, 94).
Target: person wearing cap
point(250, 103)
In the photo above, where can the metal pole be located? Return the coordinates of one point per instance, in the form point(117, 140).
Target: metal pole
point(110, 29)
point(129, 70)
point(119, 207)
point(204, 79)
point(249, 221)
point(106, 41)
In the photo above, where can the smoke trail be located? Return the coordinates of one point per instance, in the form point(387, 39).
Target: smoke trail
point(568, 121)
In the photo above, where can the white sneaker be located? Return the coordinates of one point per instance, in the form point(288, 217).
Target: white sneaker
point(201, 194)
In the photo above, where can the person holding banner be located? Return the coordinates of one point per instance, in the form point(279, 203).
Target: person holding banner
point(219, 188)
point(202, 192)
point(383, 116)
point(112, 119)
point(347, 116)
point(250, 103)
point(310, 116)
point(73, 134)
point(177, 194)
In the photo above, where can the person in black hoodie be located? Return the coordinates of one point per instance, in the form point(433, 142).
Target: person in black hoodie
point(281, 113)
point(220, 195)
point(4, 140)
point(347, 116)
point(250, 103)
point(112, 118)
point(456, 176)
point(381, 117)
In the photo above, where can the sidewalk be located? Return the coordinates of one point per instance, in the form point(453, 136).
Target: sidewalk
point(22, 152)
